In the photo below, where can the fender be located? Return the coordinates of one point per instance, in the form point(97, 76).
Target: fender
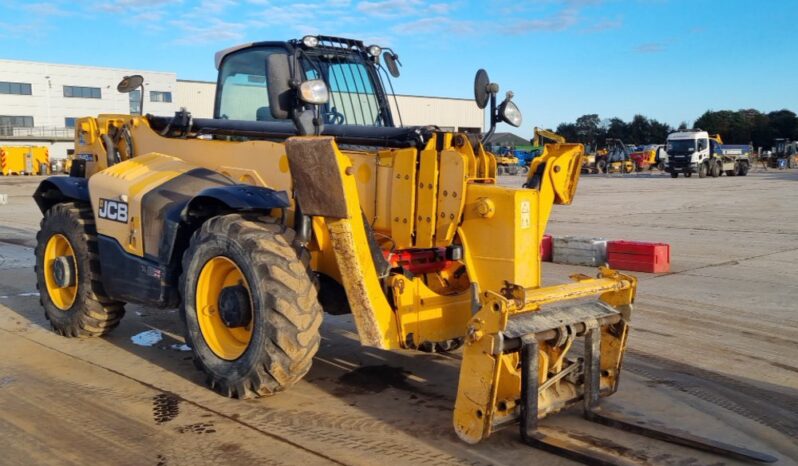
point(179, 225)
point(60, 188)
point(236, 198)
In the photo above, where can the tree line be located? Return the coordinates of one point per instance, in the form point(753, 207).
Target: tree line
point(747, 126)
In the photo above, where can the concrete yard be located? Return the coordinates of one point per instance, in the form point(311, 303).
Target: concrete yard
point(713, 350)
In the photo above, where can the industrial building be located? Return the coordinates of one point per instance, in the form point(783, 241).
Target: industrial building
point(39, 102)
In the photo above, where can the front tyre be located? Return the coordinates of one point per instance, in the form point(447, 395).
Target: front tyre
point(250, 305)
point(674, 174)
point(68, 274)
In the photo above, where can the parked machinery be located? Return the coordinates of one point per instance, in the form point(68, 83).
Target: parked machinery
point(618, 158)
point(24, 160)
point(784, 154)
point(301, 183)
point(649, 157)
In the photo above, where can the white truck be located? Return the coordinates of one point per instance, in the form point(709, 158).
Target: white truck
point(696, 151)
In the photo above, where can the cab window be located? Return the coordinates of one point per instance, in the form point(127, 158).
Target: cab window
point(242, 88)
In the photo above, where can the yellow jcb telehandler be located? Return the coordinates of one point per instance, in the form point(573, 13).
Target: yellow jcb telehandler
point(302, 195)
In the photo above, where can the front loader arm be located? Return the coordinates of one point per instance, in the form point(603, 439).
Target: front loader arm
point(555, 174)
point(324, 186)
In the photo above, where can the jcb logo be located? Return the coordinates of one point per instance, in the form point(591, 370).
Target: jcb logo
point(113, 210)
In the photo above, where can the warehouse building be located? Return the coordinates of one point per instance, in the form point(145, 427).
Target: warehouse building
point(39, 102)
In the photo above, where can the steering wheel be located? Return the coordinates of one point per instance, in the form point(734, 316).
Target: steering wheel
point(334, 117)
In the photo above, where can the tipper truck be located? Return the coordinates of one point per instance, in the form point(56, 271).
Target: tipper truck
point(696, 151)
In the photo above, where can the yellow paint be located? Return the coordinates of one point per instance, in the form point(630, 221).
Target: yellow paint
point(499, 250)
point(225, 342)
point(426, 200)
point(403, 207)
point(283, 164)
point(57, 246)
point(452, 185)
point(29, 160)
point(133, 178)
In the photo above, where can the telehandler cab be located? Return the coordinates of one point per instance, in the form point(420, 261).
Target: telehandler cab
point(303, 194)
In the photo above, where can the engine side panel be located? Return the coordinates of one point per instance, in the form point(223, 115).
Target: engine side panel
point(117, 193)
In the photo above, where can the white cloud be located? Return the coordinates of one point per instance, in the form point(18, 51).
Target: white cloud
point(605, 25)
point(215, 30)
point(46, 9)
point(435, 25)
point(650, 47)
point(560, 21)
point(390, 8)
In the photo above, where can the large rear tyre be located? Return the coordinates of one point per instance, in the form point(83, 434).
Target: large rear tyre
point(250, 305)
point(743, 169)
point(68, 274)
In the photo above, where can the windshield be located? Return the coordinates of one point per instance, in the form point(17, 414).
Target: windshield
point(356, 92)
point(681, 146)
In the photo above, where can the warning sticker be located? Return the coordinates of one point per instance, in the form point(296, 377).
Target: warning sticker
point(526, 220)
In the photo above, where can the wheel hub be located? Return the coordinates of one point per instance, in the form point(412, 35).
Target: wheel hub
point(234, 306)
point(64, 271)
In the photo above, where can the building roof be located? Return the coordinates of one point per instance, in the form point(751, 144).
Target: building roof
point(509, 139)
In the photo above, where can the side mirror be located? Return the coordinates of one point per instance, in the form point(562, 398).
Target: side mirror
point(392, 62)
point(482, 89)
point(130, 84)
point(279, 85)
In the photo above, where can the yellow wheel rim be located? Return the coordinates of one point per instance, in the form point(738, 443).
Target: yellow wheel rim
point(226, 342)
point(57, 246)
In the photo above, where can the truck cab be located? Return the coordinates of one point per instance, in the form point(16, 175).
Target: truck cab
point(687, 150)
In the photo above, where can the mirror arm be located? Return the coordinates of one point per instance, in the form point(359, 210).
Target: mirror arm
point(141, 101)
point(494, 118)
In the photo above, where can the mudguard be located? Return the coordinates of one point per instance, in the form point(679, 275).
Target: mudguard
point(237, 198)
point(60, 188)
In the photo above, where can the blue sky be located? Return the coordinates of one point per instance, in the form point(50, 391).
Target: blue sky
point(667, 59)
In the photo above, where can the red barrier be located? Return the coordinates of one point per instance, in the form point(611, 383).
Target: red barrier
point(545, 248)
point(639, 256)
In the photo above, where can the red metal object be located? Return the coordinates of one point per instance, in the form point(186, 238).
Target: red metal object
point(640, 159)
point(545, 248)
point(419, 261)
point(639, 256)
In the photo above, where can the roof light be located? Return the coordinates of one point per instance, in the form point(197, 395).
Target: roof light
point(374, 50)
point(310, 41)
